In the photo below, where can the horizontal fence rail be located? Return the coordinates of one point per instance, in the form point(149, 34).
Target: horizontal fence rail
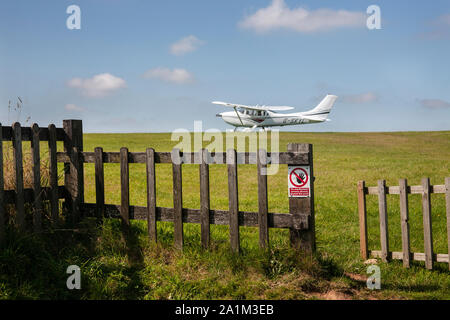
point(30, 197)
point(27, 133)
point(193, 157)
point(425, 190)
point(409, 189)
point(218, 217)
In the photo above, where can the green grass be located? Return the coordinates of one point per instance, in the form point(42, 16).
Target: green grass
point(119, 267)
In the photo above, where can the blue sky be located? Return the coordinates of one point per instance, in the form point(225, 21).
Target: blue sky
point(154, 66)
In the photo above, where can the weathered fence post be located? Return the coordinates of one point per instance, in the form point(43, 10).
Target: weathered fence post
point(177, 199)
point(302, 209)
point(37, 190)
point(362, 210)
point(151, 195)
point(428, 234)
point(404, 218)
point(53, 172)
point(124, 189)
point(263, 210)
point(384, 233)
point(2, 191)
point(233, 200)
point(73, 171)
point(18, 168)
point(204, 198)
point(99, 185)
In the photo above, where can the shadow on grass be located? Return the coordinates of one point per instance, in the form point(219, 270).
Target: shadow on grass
point(118, 263)
point(33, 266)
point(131, 235)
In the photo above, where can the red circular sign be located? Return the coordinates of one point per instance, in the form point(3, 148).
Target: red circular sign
point(298, 177)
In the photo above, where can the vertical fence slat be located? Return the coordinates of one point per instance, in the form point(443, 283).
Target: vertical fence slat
point(447, 207)
point(2, 191)
point(151, 195)
point(204, 198)
point(404, 218)
point(233, 199)
point(427, 232)
point(262, 199)
point(124, 188)
point(362, 211)
point(74, 170)
point(99, 184)
point(53, 172)
point(37, 190)
point(384, 233)
point(18, 168)
point(177, 200)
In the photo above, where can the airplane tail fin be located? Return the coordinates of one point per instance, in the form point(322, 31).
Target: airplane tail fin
point(323, 108)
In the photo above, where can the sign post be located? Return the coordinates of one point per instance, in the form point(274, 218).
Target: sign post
point(301, 200)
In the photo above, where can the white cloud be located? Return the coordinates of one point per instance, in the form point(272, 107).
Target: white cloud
point(434, 103)
point(97, 86)
point(73, 107)
point(278, 16)
point(439, 28)
point(444, 19)
point(185, 45)
point(178, 76)
point(360, 98)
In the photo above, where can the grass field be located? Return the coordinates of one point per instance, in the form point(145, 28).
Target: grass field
point(120, 268)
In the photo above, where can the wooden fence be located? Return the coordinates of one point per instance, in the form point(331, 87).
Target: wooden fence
point(425, 189)
point(300, 219)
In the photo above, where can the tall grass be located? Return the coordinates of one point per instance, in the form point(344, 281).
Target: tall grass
point(28, 178)
point(27, 163)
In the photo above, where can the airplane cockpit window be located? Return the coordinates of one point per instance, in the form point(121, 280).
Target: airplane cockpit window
point(254, 112)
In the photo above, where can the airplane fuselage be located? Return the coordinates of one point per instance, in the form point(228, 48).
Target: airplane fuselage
point(269, 119)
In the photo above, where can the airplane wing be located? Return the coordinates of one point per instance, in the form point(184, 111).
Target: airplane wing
point(232, 105)
point(278, 108)
point(262, 108)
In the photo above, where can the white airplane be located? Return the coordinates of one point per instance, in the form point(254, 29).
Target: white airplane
point(266, 116)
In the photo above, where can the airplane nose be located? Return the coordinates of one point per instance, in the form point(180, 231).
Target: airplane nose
point(219, 115)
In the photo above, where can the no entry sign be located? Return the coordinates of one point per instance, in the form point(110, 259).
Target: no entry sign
point(299, 181)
